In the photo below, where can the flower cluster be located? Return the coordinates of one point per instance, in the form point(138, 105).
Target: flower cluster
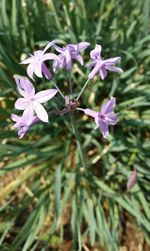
point(31, 103)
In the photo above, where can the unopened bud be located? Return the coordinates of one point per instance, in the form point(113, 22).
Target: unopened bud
point(132, 180)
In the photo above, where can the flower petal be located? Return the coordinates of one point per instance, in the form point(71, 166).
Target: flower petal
point(59, 49)
point(46, 72)
point(95, 70)
point(103, 73)
point(82, 45)
point(49, 56)
point(56, 65)
point(28, 87)
point(15, 117)
point(28, 115)
point(114, 68)
point(73, 48)
point(78, 58)
point(50, 44)
point(92, 64)
point(62, 62)
point(90, 112)
point(25, 87)
point(44, 96)
point(37, 68)
point(104, 128)
point(111, 118)
point(111, 61)
point(22, 131)
point(21, 103)
point(68, 60)
point(40, 111)
point(108, 106)
point(96, 53)
point(30, 71)
point(27, 61)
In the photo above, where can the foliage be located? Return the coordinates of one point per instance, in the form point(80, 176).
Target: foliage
point(45, 174)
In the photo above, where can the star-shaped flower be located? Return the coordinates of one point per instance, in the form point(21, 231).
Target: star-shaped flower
point(36, 62)
point(105, 116)
point(67, 54)
point(102, 66)
point(31, 102)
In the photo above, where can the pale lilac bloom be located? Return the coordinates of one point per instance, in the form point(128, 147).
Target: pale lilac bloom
point(102, 66)
point(132, 180)
point(31, 102)
point(105, 116)
point(21, 124)
point(67, 54)
point(36, 62)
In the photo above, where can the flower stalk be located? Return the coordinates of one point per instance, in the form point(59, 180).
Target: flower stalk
point(86, 83)
point(76, 133)
point(56, 86)
point(70, 84)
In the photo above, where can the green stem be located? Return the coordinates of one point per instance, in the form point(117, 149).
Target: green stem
point(76, 133)
point(70, 84)
point(83, 89)
point(56, 86)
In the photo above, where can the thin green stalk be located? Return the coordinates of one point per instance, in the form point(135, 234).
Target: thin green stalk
point(76, 133)
point(75, 130)
point(83, 89)
point(70, 84)
point(56, 86)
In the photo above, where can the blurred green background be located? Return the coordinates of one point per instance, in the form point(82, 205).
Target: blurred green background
point(48, 200)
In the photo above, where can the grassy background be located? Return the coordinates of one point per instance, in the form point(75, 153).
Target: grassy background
point(46, 196)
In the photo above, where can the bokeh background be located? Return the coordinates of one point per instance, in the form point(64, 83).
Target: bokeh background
point(48, 200)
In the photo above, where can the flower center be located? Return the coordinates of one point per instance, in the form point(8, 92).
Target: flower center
point(32, 99)
point(37, 55)
point(101, 116)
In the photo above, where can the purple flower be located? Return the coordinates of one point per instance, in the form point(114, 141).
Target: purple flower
point(36, 62)
point(21, 124)
point(31, 102)
point(67, 54)
point(102, 66)
point(105, 116)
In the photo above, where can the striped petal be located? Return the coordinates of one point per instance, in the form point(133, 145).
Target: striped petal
point(111, 119)
point(108, 106)
point(83, 45)
point(111, 61)
point(78, 58)
point(96, 53)
point(25, 87)
point(114, 68)
point(103, 73)
point(104, 128)
point(68, 60)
